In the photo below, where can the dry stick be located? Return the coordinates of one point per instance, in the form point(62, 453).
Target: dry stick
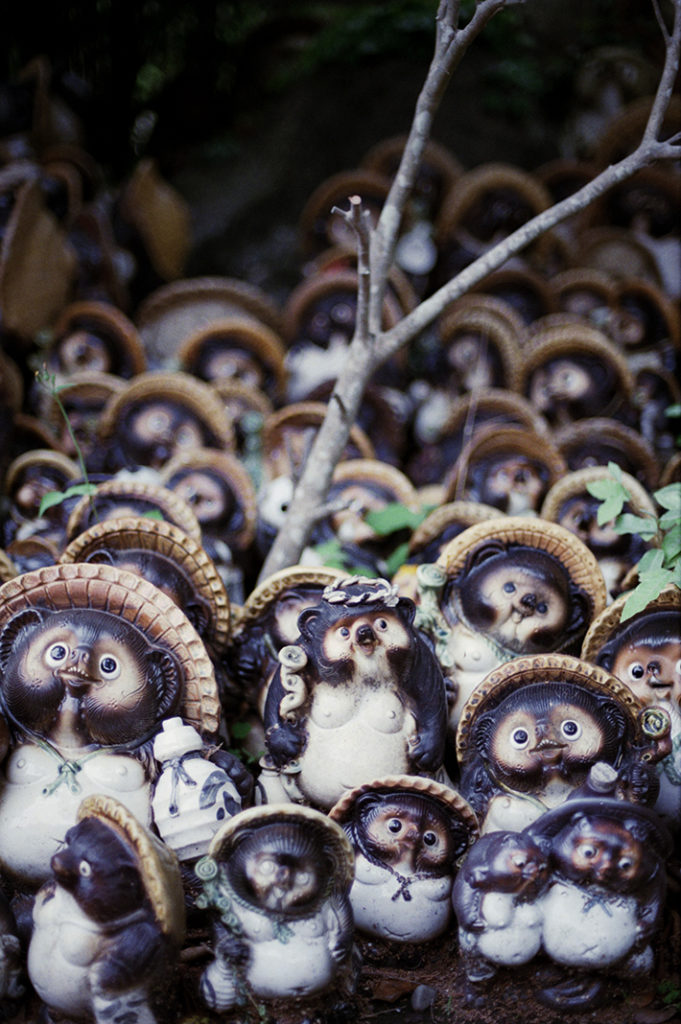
point(370, 347)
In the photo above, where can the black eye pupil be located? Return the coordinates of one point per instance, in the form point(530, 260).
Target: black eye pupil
point(637, 671)
point(520, 736)
point(58, 652)
point(509, 587)
point(430, 839)
point(108, 664)
point(570, 728)
point(395, 825)
point(541, 608)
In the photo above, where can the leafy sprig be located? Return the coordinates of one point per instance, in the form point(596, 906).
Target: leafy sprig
point(48, 381)
point(660, 565)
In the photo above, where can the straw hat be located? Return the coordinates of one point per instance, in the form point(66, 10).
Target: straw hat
point(132, 598)
point(139, 494)
point(131, 533)
point(156, 862)
point(607, 624)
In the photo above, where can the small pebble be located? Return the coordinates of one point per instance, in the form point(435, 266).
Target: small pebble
point(422, 997)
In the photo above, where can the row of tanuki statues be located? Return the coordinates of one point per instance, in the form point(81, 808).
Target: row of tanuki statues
point(498, 755)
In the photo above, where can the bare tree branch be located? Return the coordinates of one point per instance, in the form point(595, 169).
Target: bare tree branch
point(368, 350)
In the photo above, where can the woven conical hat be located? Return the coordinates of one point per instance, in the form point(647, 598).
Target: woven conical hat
point(625, 129)
point(247, 333)
point(114, 323)
point(344, 257)
point(267, 592)
point(236, 393)
point(555, 540)
point(606, 625)
point(385, 157)
point(490, 305)
point(157, 863)
point(523, 289)
point(306, 414)
point(418, 785)
point(575, 483)
point(505, 407)
point(618, 252)
point(170, 505)
point(176, 310)
point(90, 387)
point(373, 471)
point(193, 394)
point(335, 191)
point(140, 532)
point(472, 187)
point(570, 339)
point(127, 596)
point(311, 820)
point(595, 283)
point(8, 569)
point(160, 215)
point(639, 455)
point(228, 468)
point(501, 337)
point(549, 668)
point(465, 513)
point(491, 440)
point(313, 288)
point(46, 458)
point(651, 294)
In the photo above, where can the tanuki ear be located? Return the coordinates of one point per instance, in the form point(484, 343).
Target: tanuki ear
point(13, 629)
point(305, 621)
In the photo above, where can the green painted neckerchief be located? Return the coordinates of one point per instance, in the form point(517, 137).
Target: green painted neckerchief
point(68, 768)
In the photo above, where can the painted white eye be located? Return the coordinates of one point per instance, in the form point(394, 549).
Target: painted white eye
point(570, 729)
point(381, 624)
point(677, 667)
point(520, 738)
point(267, 867)
point(636, 671)
point(344, 632)
point(588, 852)
point(394, 826)
point(56, 654)
point(541, 608)
point(430, 838)
point(109, 666)
point(509, 588)
point(625, 864)
point(85, 868)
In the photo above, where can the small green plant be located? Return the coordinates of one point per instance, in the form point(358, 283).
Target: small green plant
point(393, 518)
point(239, 732)
point(660, 565)
point(48, 381)
point(670, 993)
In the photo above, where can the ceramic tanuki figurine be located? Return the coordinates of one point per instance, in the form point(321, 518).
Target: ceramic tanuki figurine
point(93, 658)
point(644, 652)
point(570, 503)
point(108, 925)
point(583, 885)
point(538, 729)
point(503, 588)
point(494, 897)
point(408, 834)
point(276, 880)
point(359, 696)
point(605, 898)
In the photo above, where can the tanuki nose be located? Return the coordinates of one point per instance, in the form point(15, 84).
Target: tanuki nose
point(365, 634)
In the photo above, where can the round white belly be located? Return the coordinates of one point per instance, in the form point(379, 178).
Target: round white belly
point(585, 931)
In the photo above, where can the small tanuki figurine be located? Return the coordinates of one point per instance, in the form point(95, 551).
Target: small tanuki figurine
point(537, 729)
point(644, 652)
point(503, 588)
point(584, 886)
point(92, 658)
point(408, 834)
point(11, 956)
point(359, 696)
point(494, 897)
point(276, 880)
point(108, 925)
point(604, 901)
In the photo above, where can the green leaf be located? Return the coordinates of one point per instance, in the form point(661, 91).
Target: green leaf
point(153, 513)
point(671, 546)
point(649, 586)
point(644, 526)
point(397, 559)
point(392, 517)
point(615, 470)
point(240, 730)
point(651, 560)
point(603, 489)
point(53, 498)
point(669, 497)
point(610, 509)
